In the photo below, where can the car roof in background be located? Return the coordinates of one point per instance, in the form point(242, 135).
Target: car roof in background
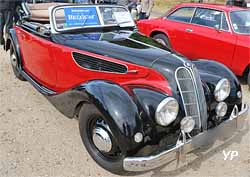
point(223, 7)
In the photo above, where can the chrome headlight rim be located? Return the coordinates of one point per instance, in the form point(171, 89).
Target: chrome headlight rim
point(165, 102)
point(219, 86)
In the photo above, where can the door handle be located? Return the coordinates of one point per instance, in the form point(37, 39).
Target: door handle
point(189, 30)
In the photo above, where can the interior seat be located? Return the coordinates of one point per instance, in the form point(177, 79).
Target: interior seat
point(39, 12)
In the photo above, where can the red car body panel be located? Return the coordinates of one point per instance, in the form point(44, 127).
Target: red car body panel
point(54, 68)
point(227, 47)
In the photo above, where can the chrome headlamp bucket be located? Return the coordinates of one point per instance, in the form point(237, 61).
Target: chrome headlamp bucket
point(224, 132)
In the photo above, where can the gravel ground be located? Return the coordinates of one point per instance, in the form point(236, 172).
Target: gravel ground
point(36, 140)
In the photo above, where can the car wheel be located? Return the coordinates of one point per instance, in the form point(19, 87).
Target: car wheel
point(99, 141)
point(162, 39)
point(14, 63)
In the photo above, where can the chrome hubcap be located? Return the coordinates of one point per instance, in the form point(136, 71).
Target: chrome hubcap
point(161, 41)
point(13, 60)
point(102, 139)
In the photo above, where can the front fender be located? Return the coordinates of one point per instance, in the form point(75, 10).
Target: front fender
point(148, 101)
point(112, 101)
point(211, 72)
point(118, 108)
point(216, 71)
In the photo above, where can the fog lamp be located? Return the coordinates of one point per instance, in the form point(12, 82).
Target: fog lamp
point(221, 109)
point(239, 94)
point(187, 124)
point(138, 137)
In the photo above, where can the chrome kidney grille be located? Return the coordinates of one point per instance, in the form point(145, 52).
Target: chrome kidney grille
point(191, 91)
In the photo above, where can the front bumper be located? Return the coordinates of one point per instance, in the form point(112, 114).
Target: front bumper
point(225, 131)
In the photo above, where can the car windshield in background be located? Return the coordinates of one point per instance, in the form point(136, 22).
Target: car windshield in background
point(87, 16)
point(50, 1)
point(241, 21)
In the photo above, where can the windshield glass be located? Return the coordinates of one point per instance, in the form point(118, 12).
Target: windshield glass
point(89, 16)
point(50, 1)
point(241, 21)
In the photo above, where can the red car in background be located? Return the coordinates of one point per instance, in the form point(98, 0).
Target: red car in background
point(206, 31)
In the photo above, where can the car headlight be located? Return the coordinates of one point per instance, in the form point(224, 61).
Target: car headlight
point(167, 111)
point(222, 90)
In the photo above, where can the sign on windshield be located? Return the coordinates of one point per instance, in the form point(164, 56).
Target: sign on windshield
point(89, 16)
point(81, 16)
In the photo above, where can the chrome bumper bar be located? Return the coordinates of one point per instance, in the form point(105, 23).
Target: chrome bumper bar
point(226, 130)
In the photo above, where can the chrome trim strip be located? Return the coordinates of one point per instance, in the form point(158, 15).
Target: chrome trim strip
point(223, 132)
point(25, 8)
point(193, 15)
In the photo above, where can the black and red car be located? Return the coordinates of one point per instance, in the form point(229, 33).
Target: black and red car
point(128, 92)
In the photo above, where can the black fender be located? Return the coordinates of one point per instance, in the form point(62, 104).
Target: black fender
point(211, 72)
point(147, 101)
point(112, 101)
point(12, 38)
point(216, 71)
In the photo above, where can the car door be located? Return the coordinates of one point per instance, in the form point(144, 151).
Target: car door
point(211, 37)
point(177, 25)
point(37, 59)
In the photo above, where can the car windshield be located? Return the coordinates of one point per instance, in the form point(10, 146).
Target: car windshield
point(241, 21)
point(49, 1)
point(90, 16)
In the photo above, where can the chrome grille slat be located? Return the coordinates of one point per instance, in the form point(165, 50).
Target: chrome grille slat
point(188, 91)
point(180, 79)
point(188, 104)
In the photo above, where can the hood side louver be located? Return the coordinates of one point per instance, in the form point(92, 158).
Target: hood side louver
point(97, 64)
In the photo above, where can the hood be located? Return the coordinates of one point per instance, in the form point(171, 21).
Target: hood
point(167, 65)
point(123, 45)
point(130, 47)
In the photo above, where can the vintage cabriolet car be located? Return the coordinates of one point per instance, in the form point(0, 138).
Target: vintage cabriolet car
point(206, 31)
point(139, 104)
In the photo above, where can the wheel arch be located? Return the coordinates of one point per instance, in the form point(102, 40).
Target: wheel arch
point(212, 71)
point(78, 107)
point(7, 45)
point(214, 67)
point(114, 103)
point(246, 71)
point(12, 38)
point(155, 32)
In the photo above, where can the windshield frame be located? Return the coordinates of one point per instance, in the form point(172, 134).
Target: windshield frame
point(246, 34)
point(54, 29)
